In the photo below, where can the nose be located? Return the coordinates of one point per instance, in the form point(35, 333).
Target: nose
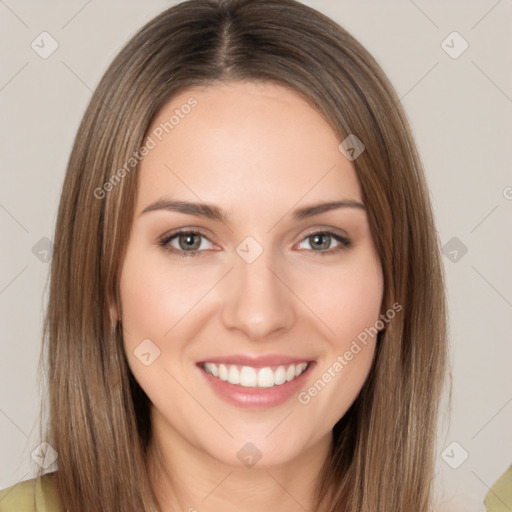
point(257, 301)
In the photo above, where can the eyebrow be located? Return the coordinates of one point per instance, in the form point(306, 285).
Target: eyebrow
point(213, 212)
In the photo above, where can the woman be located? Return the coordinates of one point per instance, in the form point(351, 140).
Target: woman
point(246, 306)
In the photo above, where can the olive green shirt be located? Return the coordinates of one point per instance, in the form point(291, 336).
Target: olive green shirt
point(38, 495)
point(499, 497)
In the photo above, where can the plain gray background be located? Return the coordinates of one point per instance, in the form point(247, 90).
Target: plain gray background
point(460, 107)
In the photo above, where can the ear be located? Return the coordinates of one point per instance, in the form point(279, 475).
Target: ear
point(115, 314)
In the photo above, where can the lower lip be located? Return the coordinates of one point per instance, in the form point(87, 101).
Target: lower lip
point(256, 397)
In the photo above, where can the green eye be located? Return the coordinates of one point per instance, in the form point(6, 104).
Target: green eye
point(320, 242)
point(189, 243)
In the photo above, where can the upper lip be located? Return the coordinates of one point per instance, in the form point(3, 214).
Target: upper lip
point(256, 361)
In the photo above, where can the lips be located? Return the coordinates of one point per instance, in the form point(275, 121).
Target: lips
point(255, 381)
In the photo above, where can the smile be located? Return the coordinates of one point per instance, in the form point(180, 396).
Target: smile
point(250, 377)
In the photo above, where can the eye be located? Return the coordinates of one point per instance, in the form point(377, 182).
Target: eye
point(321, 242)
point(187, 243)
point(184, 244)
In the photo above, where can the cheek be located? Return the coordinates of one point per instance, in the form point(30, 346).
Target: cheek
point(156, 295)
point(348, 300)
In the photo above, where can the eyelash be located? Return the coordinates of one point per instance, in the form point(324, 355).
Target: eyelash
point(345, 243)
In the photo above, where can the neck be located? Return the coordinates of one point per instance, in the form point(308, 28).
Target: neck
point(186, 478)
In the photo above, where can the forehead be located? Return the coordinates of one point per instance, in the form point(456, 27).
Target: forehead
point(256, 144)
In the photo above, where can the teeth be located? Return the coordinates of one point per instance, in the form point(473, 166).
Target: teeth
point(233, 375)
point(223, 372)
point(247, 376)
point(280, 376)
point(211, 368)
point(266, 378)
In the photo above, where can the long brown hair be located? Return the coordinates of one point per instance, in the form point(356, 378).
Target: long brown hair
point(382, 457)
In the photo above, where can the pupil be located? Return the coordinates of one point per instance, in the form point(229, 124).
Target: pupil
point(189, 241)
point(318, 240)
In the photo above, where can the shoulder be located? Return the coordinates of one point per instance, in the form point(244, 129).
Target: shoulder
point(499, 497)
point(35, 495)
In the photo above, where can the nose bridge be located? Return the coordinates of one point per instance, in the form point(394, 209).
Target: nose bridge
point(257, 302)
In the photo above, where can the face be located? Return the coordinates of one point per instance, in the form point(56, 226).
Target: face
point(244, 309)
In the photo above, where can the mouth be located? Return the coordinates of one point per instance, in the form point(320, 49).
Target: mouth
point(256, 382)
point(251, 377)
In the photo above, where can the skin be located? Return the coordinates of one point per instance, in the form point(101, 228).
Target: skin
point(258, 151)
